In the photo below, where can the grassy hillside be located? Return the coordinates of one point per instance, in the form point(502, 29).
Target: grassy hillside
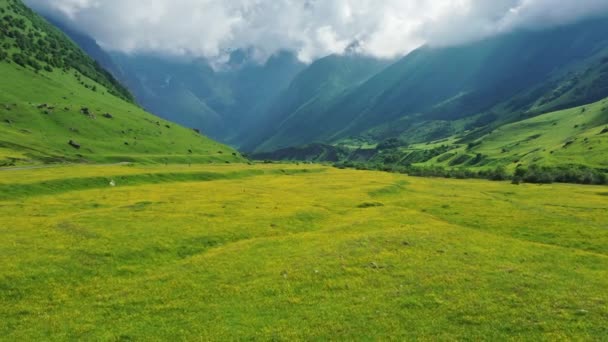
point(57, 105)
point(573, 136)
point(271, 252)
point(480, 110)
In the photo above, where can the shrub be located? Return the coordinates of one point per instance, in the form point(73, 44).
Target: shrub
point(534, 174)
point(498, 174)
point(369, 205)
point(564, 174)
point(390, 143)
point(460, 159)
point(445, 157)
point(20, 59)
point(472, 145)
point(478, 159)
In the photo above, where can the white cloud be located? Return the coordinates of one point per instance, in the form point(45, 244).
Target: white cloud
point(540, 13)
point(311, 28)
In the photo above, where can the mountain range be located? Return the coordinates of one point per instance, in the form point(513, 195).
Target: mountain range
point(433, 93)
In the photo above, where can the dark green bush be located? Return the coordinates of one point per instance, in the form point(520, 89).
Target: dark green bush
point(564, 174)
point(20, 59)
point(390, 143)
point(460, 159)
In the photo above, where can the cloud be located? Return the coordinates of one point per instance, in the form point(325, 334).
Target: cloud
point(311, 28)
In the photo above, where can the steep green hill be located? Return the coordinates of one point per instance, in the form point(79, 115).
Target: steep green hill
point(57, 104)
point(30, 41)
point(576, 136)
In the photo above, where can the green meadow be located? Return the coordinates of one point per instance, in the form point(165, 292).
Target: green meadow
point(292, 252)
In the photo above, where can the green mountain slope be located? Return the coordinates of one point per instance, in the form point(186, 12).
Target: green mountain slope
point(512, 103)
point(493, 81)
point(177, 91)
point(223, 103)
point(90, 47)
point(576, 136)
point(57, 104)
point(294, 118)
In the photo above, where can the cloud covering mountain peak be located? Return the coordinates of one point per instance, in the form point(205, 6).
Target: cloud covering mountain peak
point(310, 28)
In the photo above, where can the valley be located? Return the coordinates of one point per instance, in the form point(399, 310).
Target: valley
point(468, 110)
point(160, 181)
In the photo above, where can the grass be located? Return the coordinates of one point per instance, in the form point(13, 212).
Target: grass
point(56, 182)
point(274, 253)
point(570, 136)
point(29, 136)
point(567, 137)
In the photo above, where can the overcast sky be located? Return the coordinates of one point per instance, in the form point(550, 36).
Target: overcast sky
point(311, 28)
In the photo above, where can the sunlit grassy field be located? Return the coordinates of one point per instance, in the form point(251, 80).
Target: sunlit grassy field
point(292, 252)
point(571, 136)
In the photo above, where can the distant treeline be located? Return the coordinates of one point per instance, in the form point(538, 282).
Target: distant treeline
point(577, 174)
